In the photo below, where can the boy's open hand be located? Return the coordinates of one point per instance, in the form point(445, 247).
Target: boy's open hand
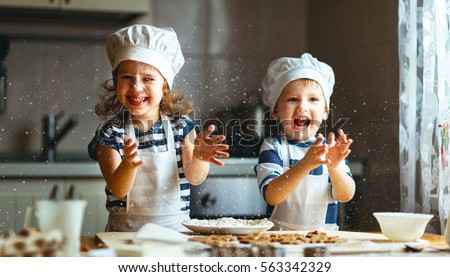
point(316, 154)
point(338, 150)
point(209, 148)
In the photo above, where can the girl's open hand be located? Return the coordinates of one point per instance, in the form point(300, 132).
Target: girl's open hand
point(209, 148)
point(338, 149)
point(131, 153)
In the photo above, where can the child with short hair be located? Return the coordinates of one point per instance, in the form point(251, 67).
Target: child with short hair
point(299, 172)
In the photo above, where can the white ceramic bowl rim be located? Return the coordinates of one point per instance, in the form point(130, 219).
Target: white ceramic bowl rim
point(402, 214)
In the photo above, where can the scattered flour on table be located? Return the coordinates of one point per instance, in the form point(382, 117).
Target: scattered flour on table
point(229, 222)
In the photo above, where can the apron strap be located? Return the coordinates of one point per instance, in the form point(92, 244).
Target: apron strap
point(129, 128)
point(168, 130)
point(285, 152)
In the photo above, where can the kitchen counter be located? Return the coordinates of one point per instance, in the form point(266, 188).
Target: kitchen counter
point(233, 167)
point(49, 170)
point(241, 167)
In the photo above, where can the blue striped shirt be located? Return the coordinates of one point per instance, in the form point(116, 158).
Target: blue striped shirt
point(110, 134)
point(270, 166)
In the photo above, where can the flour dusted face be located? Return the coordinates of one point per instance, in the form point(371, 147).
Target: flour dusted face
point(300, 109)
point(140, 89)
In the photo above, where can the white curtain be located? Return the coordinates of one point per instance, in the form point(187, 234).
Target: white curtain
point(424, 52)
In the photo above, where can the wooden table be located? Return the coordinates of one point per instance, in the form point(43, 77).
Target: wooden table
point(89, 243)
point(435, 241)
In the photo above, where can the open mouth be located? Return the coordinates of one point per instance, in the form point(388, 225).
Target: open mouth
point(137, 100)
point(302, 122)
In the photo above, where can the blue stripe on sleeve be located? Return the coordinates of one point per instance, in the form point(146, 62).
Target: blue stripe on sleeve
point(270, 156)
point(270, 176)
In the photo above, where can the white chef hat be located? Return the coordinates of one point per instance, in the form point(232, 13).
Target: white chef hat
point(158, 47)
point(283, 70)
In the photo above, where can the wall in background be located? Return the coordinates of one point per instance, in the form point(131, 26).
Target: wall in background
point(228, 46)
point(359, 40)
point(55, 67)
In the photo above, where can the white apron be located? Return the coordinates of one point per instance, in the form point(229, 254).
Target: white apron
point(155, 195)
point(306, 207)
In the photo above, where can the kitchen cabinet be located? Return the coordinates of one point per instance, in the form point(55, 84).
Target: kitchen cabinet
point(132, 6)
point(50, 4)
point(16, 195)
point(69, 11)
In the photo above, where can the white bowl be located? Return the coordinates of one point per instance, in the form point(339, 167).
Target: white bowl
point(402, 226)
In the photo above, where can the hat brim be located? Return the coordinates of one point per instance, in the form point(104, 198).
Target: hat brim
point(148, 56)
point(300, 73)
